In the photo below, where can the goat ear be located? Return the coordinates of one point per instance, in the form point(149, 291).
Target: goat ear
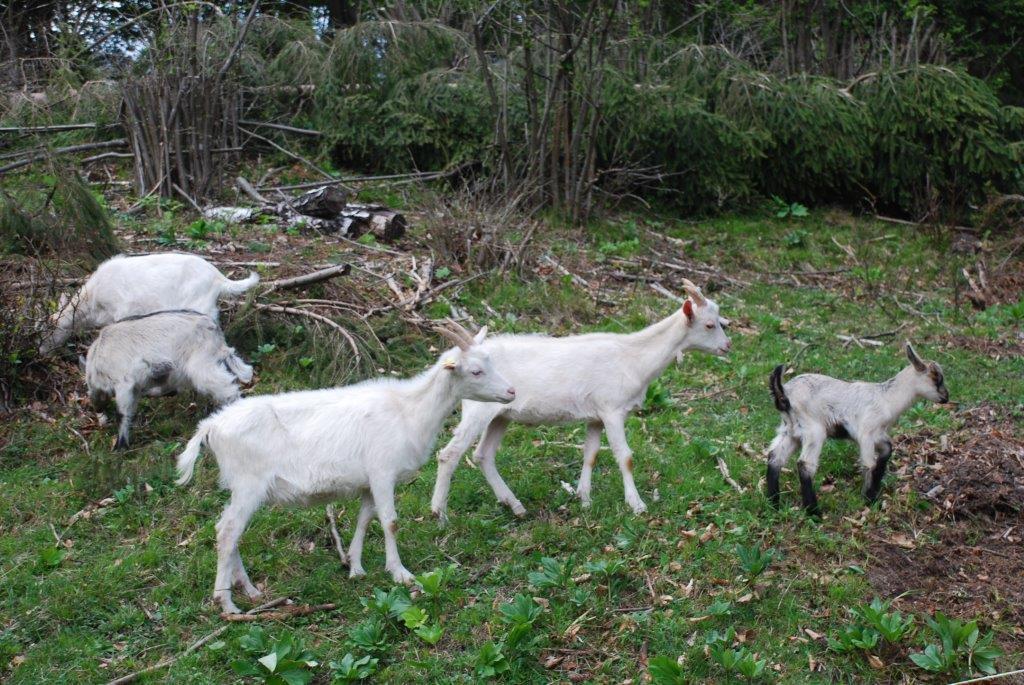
point(914, 359)
point(480, 335)
point(688, 309)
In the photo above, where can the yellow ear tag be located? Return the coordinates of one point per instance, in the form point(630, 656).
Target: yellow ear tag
point(449, 363)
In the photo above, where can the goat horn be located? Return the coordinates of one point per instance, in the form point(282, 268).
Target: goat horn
point(460, 330)
point(693, 291)
point(452, 337)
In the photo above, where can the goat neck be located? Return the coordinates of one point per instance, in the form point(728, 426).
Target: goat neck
point(900, 393)
point(656, 346)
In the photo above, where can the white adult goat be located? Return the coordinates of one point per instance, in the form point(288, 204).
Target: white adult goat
point(126, 286)
point(816, 407)
point(160, 354)
point(303, 448)
point(598, 378)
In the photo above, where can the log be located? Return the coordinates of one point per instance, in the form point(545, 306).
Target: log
point(388, 225)
point(323, 203)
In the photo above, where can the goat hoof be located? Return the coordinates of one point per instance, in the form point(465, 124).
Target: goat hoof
point(402, 576)
point(228, 607)
point(441, 515)
point(356, 572)
point(637, 505)
point(518, 509)
point(585, 502)
point(252, 592)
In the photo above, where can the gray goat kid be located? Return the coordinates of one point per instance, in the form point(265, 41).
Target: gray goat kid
point(159, 354)
point(816, 407)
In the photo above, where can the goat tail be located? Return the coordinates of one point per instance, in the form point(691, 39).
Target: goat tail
point(778, 392)
point(187, 459)
point(229, 287)
point(237, 366)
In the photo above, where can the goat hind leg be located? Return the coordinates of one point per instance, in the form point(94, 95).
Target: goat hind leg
point(230, 527)
point(807, 466)
point(127, 403)
point(484, 456)
point(591, 445)
point(355, 548)
point(781, 449)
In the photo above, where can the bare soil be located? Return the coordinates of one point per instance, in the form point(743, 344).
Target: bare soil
point(974, 480)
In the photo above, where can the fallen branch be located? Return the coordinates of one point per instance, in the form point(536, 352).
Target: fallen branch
point(662, 290)
point(335, 536)
point(249, 190)
point(287, 612)
point(317, 317)
point(308, 279)
point(860, 342)
point(724, 470)
point(132, 677)
point(280, 127)
point(578, 280)
point(63, 151)
point(297, 157)
point(45, 129)
point(416, 176)
point(106, 155)
point(904, 222)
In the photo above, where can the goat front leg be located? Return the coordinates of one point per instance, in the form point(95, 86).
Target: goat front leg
point(383, 492)
point(448, 460)
point(484, 456)
point(874, 456)
point(355, 549)
point(615, 429)
point(591, 445)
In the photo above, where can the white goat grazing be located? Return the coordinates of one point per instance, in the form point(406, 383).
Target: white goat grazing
point(160, 354)
point(126, 286)
point(302, 448)
point(815, 408)
point(597, 378)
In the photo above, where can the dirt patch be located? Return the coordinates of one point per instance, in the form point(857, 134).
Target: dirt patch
point(974, 477)
point(1004, 348)
point(978, 470)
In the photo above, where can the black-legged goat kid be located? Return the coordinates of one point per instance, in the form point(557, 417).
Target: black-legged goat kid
point(816, 407)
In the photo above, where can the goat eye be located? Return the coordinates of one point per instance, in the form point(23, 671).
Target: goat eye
point(478, 372)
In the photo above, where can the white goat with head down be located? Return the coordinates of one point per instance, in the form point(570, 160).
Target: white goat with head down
point(126, 286)
point(597, 378)
point(816, 407)
point(160, 354)
point(302, 448)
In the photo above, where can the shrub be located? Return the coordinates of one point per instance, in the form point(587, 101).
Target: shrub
point(940, 140)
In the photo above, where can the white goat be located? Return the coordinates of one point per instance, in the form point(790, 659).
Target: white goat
point(302, 448)
point(598, 378)
point(159, 354)
point(816, 407)
point(126, 286)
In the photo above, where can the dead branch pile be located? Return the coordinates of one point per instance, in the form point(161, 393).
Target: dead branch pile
point(181, 113)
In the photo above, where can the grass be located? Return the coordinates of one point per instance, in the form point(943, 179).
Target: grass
point(130, 583)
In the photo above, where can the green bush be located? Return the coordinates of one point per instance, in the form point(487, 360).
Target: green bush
point(940, 140)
